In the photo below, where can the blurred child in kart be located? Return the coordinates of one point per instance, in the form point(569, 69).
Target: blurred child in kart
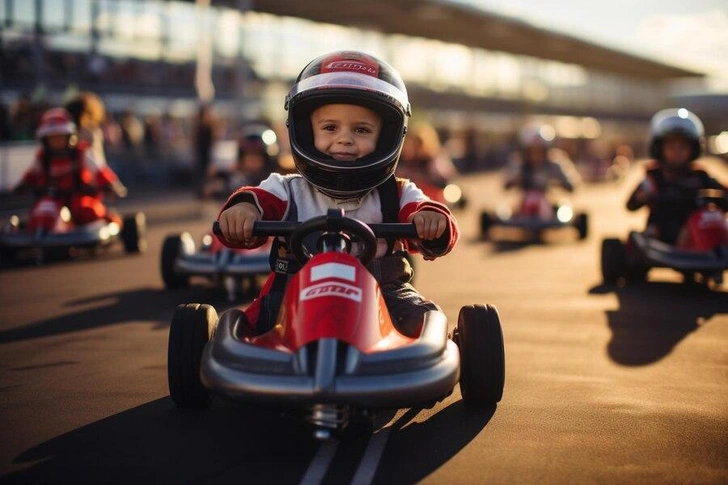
point(673, 181)
point(65, 168)
point(347, 119)
point(424, 162)
point(534, 172)
point(257, 158)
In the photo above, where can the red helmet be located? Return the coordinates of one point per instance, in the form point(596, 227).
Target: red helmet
point(676, 122)
point(55, 121)
point(347, 77)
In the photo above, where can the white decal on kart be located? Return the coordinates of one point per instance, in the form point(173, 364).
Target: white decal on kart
point(333, 270)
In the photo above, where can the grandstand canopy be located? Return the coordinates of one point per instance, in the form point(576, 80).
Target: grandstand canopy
point(470, 26)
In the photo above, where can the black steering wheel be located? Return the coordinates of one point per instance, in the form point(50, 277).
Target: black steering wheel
point(334, 222)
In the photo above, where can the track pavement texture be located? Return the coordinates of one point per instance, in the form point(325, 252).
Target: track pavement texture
point(603, 384)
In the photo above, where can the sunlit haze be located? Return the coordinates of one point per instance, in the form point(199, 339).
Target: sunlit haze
point(690, 34)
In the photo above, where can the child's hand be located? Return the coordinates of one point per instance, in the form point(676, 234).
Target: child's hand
point(236, 223)
point(646, 193)
point(429, 224)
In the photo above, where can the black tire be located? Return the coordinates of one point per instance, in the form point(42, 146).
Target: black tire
point(582, 225)
point(134, 233)
point(172, 248)
point(193, 325)
point(486, 220)
point(635, 272)
point(614, 260)
point(482, 355)
point(7, 256)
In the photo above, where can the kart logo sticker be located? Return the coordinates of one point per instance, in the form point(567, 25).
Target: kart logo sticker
point(331, 289)
point(333, 270)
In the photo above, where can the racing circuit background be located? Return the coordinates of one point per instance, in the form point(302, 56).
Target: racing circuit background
point(603, 383)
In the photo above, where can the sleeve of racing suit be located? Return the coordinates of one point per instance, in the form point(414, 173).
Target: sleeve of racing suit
point(34, 177)
point(633, 203)
point(413, 200)
point(712, 183)
point(101, 176)
point(563, 175)
point(270, 198)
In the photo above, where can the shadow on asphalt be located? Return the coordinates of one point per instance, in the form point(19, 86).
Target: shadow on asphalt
point(157, 443)
point(113, 308)
point(417, 449)
point(235, 443)
point(654, 317)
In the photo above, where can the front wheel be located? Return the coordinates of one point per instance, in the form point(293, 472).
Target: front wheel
point(482, 355)
point(134, 233)
point(192, 327)
point(173, 248)
point(486, 220)
point(582, 225)
point(614, 260)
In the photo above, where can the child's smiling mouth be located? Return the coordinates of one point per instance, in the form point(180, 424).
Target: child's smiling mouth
point(344, 156)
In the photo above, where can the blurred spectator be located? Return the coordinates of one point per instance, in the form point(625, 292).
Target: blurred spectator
point(22, 120)
point(170, 135)
point(111, 132)
point(152, 137)
point(89, 113)
point(205, 135)
point(132, 137)
point(4, 122)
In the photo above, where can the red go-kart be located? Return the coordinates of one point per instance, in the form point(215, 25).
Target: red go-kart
point(181, 260)
point(49, 230)
point(534, 214)
point(701, 253)
point(334, 353)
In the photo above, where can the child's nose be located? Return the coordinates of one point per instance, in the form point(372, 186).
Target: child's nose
point(345, 138)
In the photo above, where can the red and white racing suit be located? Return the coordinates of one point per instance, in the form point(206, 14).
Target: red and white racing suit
point(291, 197)
point(78, 180)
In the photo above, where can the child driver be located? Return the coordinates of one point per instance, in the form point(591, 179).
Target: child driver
point(347, 119)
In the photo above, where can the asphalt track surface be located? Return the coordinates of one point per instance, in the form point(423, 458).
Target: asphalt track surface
point(604, 384)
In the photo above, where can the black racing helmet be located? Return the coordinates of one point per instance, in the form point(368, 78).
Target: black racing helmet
point(347, 77)
point(676, 122)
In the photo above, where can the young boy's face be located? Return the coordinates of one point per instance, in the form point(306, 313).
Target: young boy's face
point(536, 154)
point(345, 132)
point(56, 142)
point(676, 151)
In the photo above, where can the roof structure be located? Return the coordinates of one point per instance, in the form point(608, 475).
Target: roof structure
point(465, 25)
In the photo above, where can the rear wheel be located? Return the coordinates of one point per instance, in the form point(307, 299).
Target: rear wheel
point(134, 233)
point(192, 327)
point(486, 220)
point(614, 260)
point(582, 225)
point(7, 256)
point(482, 355)
point(172, 248)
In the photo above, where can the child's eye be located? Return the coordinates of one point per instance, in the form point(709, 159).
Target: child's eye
point(363, 131)
point(329, 127)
